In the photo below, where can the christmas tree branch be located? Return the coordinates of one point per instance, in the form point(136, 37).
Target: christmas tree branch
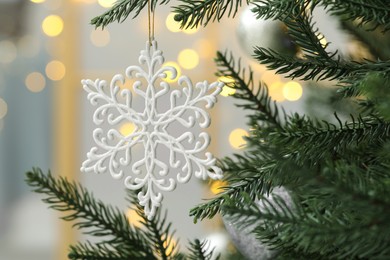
point(268, 174)
point(317, 68)
point(101, 220)
point(303, 137)
point(307, 228)
point(194, 13)
point(121, 10)
point(200, 251)
point(309, 68)
point(375, 12)
point(279, 9)
point(88, 251)
point(258, 100)
point(157, 231)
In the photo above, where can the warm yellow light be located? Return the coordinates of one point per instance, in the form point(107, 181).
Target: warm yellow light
point(37, 1)
point(292, 91)
point(275, 91)
point(35, 82)
point(171, 24)
point(52, 25)
point(8, 51)
point(191, 30)
point(127, 129)
point(322, 39)
point(227, 90)
point(204, 48)
point(188, 59)
point(169, 74)
point(55, 70)
point(100, 38)
point(236, 138)
point(134, 218)
point(217, 185)
point(107, 3)
point(3, 108)
point(171, 247)
point(85, 1)
point(269, 77)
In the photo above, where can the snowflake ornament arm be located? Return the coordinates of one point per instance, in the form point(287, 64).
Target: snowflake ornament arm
point(113, 150)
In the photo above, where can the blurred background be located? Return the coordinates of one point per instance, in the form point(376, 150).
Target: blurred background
point(48, 46)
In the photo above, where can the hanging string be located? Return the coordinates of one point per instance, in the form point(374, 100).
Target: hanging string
point(150, 22)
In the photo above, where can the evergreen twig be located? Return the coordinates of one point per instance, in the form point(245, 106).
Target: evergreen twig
point(96, 218)
point(194, 13)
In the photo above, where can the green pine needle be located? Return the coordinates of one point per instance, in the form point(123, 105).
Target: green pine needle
point(195, 13)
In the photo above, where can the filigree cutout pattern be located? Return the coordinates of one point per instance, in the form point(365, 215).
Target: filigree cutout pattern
point(113, 150)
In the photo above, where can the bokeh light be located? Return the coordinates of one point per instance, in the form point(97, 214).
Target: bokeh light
point(172, 245)
point(292, 91)
point(169, 74)
point(236, 138)
point(227, 90)
point(171, 24)
point(100, 38)
point(322, 39)
point(106, 3)
point(269, 77)
point(204, 48)
point(127, 129)
point(134, 218)
point(3, 108)
point(188, 59)
point(215, 186)
point(35, 82)
point(86, 1)
point(191, 30)
point(52, 25)
point(55, 70)
point(8, 51)
point(37, 1)
point(275, 91)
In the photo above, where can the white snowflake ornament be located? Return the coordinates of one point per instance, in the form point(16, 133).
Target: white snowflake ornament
point(113, 150)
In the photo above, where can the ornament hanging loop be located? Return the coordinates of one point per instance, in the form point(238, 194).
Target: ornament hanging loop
point(150, 22)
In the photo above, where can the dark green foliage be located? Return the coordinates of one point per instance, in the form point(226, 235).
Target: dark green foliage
point(120, 239)
point(256, 97)
point(335, 167)
point(121, 10)
point(194, 13)
point(199, 251)
point(158, 232)
point(375, 12)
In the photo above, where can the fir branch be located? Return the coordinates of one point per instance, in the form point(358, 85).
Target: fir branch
point(376, 12)
point(268, 174)
point(121, 10)
point(317, 68)
point(252, 185)
point(279, 9)
point(309, 68)
point(200, 251)
point(258, 100)
point(303, 136)
point(93, 215)
point(88, 251)
point(194, 13)
point(157, 231)
point(308, 229)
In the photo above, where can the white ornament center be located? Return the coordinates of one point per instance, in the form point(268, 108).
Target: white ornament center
point(113, 150)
